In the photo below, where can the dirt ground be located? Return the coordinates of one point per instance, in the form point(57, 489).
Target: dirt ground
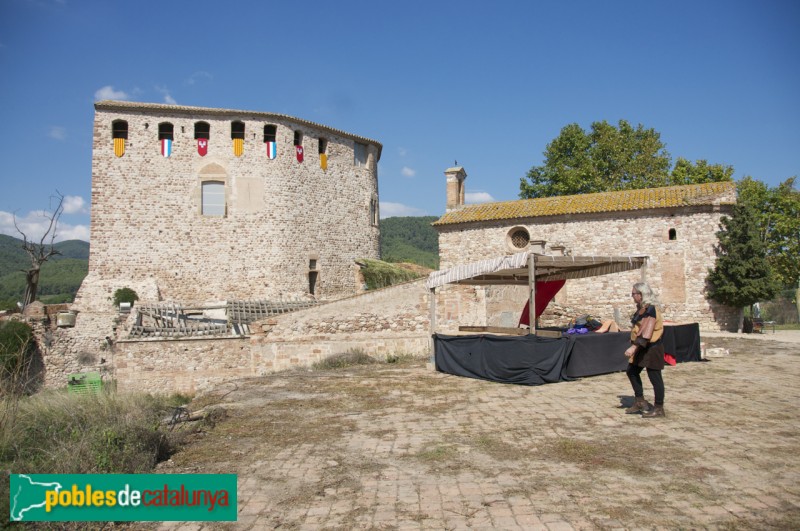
point(398, 446)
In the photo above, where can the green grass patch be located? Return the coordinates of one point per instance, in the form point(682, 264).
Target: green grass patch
point(438, 453)
point(54, 432)
point(379, 274)
point(345, 359)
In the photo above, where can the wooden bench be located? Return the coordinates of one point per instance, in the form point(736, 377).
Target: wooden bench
point(759, 324)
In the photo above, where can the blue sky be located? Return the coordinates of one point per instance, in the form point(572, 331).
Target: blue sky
point(486, 83)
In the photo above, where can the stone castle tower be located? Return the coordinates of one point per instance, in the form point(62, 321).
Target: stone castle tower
point(200, 204)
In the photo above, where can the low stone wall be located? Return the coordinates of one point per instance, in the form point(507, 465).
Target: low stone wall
point(390, 321)
point(185, 365)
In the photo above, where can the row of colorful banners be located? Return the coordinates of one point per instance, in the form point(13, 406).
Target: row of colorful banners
point(238, 149)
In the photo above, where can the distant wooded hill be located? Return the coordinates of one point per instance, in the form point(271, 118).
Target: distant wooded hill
point(59, 280)
point(410, 239)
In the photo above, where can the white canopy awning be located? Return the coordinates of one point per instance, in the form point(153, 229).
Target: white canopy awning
point(514, 269)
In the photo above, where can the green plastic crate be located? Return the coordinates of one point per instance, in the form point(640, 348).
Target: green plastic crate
point(84, 383)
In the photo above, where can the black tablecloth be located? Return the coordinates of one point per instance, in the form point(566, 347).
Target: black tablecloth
point(592, 354)
point(527, 360)
point(683, 341)
point(532, 360)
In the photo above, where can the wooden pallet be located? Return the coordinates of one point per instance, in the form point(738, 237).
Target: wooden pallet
point(245, 312)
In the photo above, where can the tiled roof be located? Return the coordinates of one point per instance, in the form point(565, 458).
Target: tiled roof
point(626, 200)
point(128, 106)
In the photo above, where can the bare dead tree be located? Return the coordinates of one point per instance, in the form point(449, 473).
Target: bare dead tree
point(42, 251)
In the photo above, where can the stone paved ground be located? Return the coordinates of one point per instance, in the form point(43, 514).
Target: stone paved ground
point(400, 447)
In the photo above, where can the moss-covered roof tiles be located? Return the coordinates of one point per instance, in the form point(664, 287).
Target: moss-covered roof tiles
point(626, 200)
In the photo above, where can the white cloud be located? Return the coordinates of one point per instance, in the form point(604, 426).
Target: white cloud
point(36, 222)
point(390, 210)
point(108, 93)
point(168, 99)
point(199, 76)
point(74, 204)
point(408, 172)
point(478, 197)
point(72, 232)
point(57, 132)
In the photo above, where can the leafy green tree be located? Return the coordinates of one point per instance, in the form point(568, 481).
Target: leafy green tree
point(125, 295)
point(610, 158)
point(685, 172)
point(606, 158)
point(778, 213)
point(742, 275)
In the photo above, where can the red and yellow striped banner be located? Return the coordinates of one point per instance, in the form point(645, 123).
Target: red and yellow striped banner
point(323, 161)
point(119, 146)
point(238, 146)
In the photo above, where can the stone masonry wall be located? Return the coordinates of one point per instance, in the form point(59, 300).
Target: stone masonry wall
point(677, 269)
point(147, 227)
point(389, 321)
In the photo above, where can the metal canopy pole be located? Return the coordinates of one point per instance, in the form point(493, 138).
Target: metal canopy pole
point(532, 293)
point(433, 324)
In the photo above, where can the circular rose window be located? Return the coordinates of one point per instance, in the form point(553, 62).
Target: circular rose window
point(520, 238)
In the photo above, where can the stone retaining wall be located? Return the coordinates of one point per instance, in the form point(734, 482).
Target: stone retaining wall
point(385, 322)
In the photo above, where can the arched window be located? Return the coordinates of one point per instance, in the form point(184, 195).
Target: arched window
point(237, 129)
point(202, 130)
point(237, 134)
point(165, 138)
point(298, 145)
point(119, 132)
point(119, 129)
point(165, 131)
point(270, 133)
point(323, 155)
point(673, 234)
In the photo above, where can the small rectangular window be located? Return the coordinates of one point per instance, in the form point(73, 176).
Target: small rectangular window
point(373, 212)
point(323, 146)
point(360, 154)
point(213, 198)
point(298, 138)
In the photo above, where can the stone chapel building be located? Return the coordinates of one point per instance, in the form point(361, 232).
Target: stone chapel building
point(674, 226)
point(199, 204)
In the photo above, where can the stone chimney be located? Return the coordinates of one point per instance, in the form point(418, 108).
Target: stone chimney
point(455, 187)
